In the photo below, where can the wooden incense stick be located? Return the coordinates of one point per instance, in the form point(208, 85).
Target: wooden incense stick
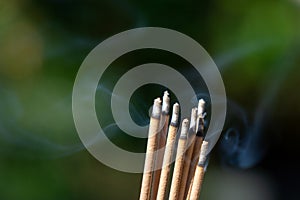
point(189, 151)
point(151, 148)
point(197, 147)
point(179, 163)
point(162, 137)
point(199, 174)
point(169, 151)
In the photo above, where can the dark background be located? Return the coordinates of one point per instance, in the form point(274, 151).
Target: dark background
point(256, 45)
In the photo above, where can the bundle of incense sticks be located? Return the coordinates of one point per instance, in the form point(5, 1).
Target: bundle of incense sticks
point(191, 153)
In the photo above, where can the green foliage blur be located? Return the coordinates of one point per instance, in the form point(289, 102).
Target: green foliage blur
point(256, 45)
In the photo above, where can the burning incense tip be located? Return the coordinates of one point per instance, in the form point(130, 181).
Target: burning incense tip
point(184, 128)
point(203, 153)
point(166, 103)
point(193, 118)
point(156, 111)
point(175, 114)
point(200, 118)
point(201, 107)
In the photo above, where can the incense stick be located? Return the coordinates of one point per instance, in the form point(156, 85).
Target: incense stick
point(199, 174)
point(151, 148)
point(162, 137)
point(169, 151)
point(197, 148)
point(189, 151)
point(179, 163)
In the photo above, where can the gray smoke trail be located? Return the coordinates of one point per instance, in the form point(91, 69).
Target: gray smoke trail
point(19, 141)
point(255, 149)
point(33, 145)
point(243, 145)
point(225, 60)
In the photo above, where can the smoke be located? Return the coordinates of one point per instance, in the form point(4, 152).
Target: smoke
point(225, 60)
point(17, 140)
point(243, 141)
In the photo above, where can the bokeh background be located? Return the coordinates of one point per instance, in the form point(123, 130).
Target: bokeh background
point(256, 45)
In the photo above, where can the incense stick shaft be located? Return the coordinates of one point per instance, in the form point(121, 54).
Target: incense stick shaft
point(197, 148)
point(197, 183)
point(179, 164)
point(199, 174)
point(169, 151)
point(193, 165)
point(160, 155)
point(151, 148)
point(164, 178)
point(189, 152)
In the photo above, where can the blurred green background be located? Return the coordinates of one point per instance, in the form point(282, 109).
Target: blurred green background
point(256, 45)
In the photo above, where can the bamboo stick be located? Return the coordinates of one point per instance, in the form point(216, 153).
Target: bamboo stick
point(164, 123)
point(199, 174)
point(179, 163)
point(151, 148)
point(169, 151)
point(189, 151)
point(197, 148)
